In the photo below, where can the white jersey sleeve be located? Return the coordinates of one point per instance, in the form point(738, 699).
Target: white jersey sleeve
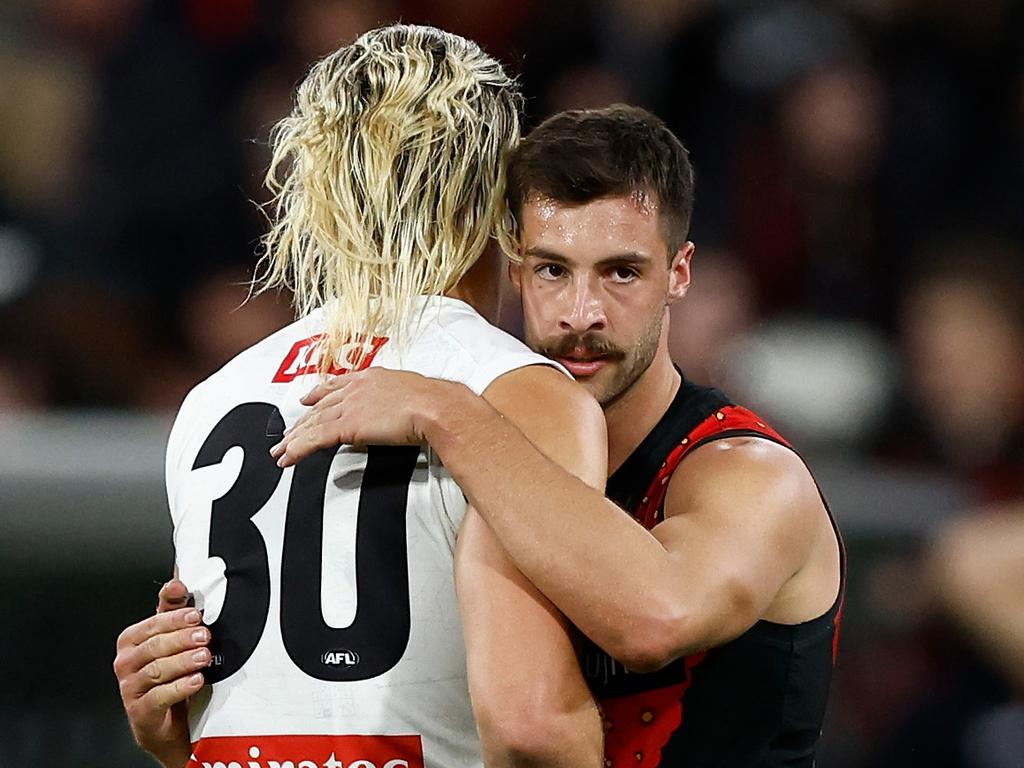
point(327, 586)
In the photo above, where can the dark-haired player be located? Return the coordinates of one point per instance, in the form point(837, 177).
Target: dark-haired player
point(714, 604)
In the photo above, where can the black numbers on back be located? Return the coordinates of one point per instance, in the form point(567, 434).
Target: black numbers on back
point(380, 630)
point(377, 638)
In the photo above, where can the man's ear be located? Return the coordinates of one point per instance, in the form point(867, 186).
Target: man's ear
point(515, 274)
point(679, 273)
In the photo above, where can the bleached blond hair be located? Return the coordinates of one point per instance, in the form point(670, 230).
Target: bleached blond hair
point(388, 179)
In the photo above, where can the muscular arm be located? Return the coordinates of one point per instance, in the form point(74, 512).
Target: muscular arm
point(530, 701)
point(742, 516)
point(740, 521)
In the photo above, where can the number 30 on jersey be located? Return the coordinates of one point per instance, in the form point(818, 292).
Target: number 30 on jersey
point(376, 639)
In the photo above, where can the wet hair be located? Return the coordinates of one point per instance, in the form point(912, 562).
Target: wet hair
point(578, 156)
point(388, 178)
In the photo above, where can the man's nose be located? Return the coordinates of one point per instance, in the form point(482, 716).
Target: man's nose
point(583, 310)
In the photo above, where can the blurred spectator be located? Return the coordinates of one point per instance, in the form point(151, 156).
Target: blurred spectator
point(562, 44)
point(804, 211)
point(973, 717)
point(978, 568)
point(220, 318)
point(91, 26)
point(24, 377)
point(497, 25)
point(217, 319)
point(962, 324)
point(585, 87)
point(47, 100)
point(830, 140)
point(163, 202)
point(637, 40)
point(961, 414)
point(719, 309)
point(954, 152)
point(825, 384)
point(314, 28)
point(23, 384)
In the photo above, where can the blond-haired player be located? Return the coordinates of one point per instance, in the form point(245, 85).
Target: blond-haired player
point(330, 633)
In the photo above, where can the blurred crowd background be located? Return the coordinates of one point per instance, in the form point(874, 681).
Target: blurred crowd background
point(859, 277)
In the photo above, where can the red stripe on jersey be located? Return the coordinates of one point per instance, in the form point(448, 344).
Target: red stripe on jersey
point(638, 726)
point(839, 621)
point(729, 418)
point(307, 752)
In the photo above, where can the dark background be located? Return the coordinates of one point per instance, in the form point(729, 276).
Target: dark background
point(858, 276)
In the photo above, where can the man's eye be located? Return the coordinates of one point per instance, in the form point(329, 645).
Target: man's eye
point(550, 271)
point(623, 274)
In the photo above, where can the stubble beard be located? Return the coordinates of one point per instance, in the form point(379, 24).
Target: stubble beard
point(632, 366)
point(625, 365)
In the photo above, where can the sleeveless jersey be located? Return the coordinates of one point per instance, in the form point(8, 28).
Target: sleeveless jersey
point(328, 587)
point(757, 701)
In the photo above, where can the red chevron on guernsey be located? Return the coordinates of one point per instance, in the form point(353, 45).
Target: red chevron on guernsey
point(304, 357)
point(307, 752)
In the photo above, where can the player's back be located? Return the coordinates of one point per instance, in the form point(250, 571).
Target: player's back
point(328, 587)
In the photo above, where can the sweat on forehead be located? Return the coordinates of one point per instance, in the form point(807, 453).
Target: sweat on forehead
point(546, 206)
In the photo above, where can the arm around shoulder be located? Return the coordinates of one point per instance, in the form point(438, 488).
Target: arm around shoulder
point(742, 518)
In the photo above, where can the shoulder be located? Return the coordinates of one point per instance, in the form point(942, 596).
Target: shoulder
point(744, 473)
point(558, 416)
point(745, 455)
point(543, 389)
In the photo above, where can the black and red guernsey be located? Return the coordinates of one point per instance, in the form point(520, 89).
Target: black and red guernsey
point(756, 702)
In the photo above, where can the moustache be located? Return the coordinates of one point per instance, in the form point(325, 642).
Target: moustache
point(586, 346)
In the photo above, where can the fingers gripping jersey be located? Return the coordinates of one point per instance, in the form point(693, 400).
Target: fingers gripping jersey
point(328, 587)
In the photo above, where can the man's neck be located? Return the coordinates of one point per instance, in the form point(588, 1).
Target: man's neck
point(632, 417)
point(479, 287)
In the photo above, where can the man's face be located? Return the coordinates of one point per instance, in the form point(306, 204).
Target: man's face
point(595, 282)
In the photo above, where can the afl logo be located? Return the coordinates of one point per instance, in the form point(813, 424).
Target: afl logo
point(340, 658)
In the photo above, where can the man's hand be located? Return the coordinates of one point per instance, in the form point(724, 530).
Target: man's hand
point(172, 595)
point(158, 667)
point(372, 407)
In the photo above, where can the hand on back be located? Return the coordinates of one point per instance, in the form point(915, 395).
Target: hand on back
point(372, 407)
point(158, 666)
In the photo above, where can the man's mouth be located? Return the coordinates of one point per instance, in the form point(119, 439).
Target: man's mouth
point(583, 367)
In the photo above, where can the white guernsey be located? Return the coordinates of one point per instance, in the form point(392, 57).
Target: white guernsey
point(328, 587)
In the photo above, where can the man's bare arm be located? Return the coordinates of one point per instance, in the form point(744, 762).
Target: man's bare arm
point(736, 530)
point(530, 702)
point(645, 597)
point(532, 706)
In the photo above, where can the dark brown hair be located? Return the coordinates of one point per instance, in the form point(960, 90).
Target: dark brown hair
point(582, 155)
